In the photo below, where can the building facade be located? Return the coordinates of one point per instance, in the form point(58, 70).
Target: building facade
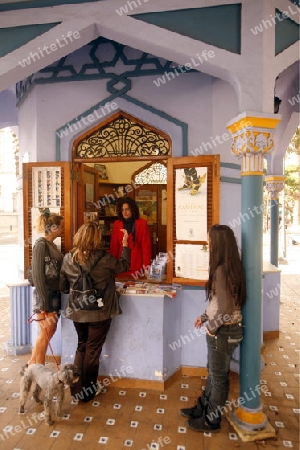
point(207, 75)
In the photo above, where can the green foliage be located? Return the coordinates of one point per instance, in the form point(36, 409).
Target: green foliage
point(294, 146)
point(292, 181)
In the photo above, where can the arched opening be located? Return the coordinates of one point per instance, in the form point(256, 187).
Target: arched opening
point(122, 156)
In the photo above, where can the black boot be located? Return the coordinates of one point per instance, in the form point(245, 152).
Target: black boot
point(194, 412)
point(191, 413)
point(203, 425)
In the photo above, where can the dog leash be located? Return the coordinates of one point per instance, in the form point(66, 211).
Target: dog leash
point(30, 320)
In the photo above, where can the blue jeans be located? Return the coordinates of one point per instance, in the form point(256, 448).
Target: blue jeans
point(220, 349)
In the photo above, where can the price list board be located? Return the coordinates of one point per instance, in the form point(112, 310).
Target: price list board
point(46, 183)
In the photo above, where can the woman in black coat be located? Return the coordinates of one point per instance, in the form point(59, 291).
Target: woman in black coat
point(91, 320)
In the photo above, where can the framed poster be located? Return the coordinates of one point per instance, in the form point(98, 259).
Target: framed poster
point(191, 203)
point(193, 207)
point(147, 209)
point(191, 261)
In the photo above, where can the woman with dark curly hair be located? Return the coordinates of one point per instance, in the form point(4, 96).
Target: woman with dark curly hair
point(139, 240)
point(226, 293)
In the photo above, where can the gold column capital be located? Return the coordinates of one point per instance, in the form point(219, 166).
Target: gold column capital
point(274, 184)
point(252, 135)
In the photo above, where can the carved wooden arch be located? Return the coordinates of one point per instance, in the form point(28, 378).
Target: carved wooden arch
point(151, 173)
point(121, 136)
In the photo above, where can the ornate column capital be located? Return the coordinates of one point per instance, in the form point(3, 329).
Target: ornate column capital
point(274, 184)
point(252, 135)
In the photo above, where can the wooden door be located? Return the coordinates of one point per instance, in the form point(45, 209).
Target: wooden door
point(87, 194)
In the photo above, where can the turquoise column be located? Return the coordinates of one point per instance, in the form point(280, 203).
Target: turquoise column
point(252, 245)
point(274, 232)
point(274, 184)
point(252, 139)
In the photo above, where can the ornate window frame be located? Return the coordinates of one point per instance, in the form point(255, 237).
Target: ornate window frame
point(121, 136)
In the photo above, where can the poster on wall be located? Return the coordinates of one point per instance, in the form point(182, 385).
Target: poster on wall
point(46, 184)
point(191, 203)
point(191, 261)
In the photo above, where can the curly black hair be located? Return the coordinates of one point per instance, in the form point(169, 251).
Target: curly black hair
point(132, 205)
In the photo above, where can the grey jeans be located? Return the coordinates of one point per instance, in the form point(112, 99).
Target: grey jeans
point(220, 349)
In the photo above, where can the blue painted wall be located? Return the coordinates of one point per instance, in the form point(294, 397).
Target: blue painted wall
point(15, 37)
point(286, 30)
point(41, 4)
point(217, 25)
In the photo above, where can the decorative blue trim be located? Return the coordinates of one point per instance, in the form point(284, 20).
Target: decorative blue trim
point(216, 25)
point(230, 165)
point(231, 180)
point(57, 147)
point(62, 72)
point(111, 98)
point(41, 4)
point(193, 288)
point(286, 30)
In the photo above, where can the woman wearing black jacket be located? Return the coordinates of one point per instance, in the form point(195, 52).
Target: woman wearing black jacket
point(93, 325)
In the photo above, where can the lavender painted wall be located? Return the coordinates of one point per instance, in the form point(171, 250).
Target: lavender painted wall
point(148, 327)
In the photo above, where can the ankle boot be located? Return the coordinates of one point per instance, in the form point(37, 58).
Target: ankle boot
point(202, 424)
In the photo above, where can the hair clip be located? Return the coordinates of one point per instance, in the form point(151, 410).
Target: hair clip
point(45, 212)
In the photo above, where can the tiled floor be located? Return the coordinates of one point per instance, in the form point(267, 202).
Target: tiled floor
point(143, 419)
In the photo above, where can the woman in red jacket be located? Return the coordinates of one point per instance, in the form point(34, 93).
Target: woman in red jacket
point(139, 240)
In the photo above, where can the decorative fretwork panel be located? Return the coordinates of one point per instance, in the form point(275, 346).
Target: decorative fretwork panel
point(155, 174)
point(122, 137)
point(101, 59)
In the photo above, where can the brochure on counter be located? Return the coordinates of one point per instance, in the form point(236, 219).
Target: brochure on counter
point(140, 288)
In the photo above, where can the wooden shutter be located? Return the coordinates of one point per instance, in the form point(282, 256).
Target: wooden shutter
point(29, 204)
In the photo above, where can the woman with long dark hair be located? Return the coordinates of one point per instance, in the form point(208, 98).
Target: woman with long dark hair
point(139, 240)
point(226, 293)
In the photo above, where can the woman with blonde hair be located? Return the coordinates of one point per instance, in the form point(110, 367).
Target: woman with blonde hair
point(46, 294)
point(92, 315)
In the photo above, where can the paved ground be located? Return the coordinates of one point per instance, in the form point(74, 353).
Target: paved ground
point(131, 418)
